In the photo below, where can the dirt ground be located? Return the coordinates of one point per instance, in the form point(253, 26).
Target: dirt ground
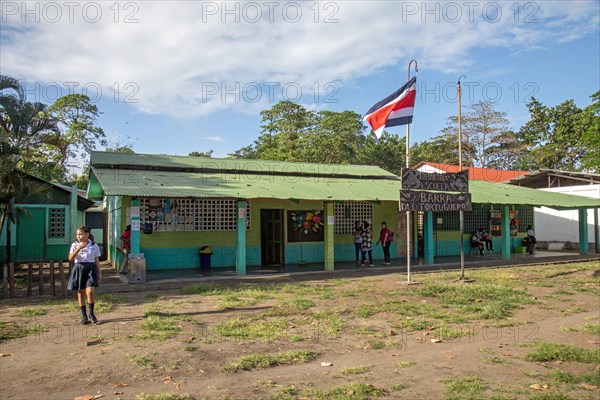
point(373, 337)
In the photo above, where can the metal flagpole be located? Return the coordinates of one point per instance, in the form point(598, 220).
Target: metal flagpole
point(408, 213)
point(461, 217)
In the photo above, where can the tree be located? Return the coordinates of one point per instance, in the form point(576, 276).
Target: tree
point(204, 154)
point(482, 127)
point(563, 137)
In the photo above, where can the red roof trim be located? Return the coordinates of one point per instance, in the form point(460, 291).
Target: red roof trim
point(476, 174)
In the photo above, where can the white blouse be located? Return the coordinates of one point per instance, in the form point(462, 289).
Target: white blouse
point(87, 254)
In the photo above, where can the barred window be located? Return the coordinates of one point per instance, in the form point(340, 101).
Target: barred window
point(191, 214)
point(56, 223)
point(446, 221)
point(346, 214)
point(525, 216)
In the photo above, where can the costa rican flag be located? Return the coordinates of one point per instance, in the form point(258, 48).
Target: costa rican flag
point(396, 109)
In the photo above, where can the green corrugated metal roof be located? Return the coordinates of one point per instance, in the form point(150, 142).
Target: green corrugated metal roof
point(265, 167)
point(484, 192)
point(244, 186)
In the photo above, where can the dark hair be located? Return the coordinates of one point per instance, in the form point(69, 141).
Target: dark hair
point(383, 223)
point(87, 230)
point(365, 224)
point(128, 228)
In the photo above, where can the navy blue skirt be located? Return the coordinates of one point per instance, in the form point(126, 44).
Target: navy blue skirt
point(83, 275)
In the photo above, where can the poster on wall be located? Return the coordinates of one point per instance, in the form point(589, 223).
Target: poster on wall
point(496, 223)
point(514, 222)
point(305, 226)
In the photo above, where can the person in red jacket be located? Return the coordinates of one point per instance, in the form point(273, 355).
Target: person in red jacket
point(126, 239)
point(385, 238)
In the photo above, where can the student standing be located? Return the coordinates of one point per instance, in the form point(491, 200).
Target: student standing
point(531, 240)
point(86, 274)
point(357, 232)
point(385, 238)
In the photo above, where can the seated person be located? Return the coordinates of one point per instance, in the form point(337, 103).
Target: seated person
point(477, 243)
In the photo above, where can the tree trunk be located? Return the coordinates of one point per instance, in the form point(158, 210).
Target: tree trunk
point(7, 257)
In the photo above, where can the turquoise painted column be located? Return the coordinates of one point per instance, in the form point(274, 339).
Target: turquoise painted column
point(505, 238)
point(329, 248)
point(240, 247)
point(73, 213)
point(596, 232)
point(583, 232)
point(428, 238)
point(135, 226)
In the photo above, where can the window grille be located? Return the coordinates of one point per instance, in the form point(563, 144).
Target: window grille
point(346, 214)
point(56, 223)
point(450, 221)
point(191, 214)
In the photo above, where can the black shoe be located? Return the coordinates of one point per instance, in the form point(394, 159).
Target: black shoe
point(85, 321)
point(94, 320)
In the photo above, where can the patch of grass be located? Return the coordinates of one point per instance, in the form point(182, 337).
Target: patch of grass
point(356, 370)
point(164, 396)
point(160, 326)
point(141, 361)
point(559, 376)
point(594, 328)
point(368, 331)
point(303, 304)
point(480, 301)
point(376, 344)
point(412, 325)
point(235, 300)
point(550, 395)
point(286, 393)
point(205, 289)
point(334, 324)
point(152, 297)
point(449, 332)
point(258, 361)
point(352, 391)
point(32, 312)
point(398, 387)
point(283, 311)
point(465, 388)
point(563, 352)
point(190, 348)
point(10, 330)
point(404, 364)
point(494, 360)
point(251, 329)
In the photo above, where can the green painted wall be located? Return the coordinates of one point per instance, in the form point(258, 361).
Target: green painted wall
point(171, 250)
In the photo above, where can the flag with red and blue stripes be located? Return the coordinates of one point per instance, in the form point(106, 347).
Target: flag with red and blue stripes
point(396, 109)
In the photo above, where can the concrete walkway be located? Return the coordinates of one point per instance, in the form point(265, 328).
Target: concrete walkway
point(173, 279)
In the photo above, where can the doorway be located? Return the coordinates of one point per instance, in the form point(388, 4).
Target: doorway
point(31, 238)
point(271, 237)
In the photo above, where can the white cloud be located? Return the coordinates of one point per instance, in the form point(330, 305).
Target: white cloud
point(219, 139)
point(181, 59)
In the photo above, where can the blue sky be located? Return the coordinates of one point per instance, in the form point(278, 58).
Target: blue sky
point(179, 76)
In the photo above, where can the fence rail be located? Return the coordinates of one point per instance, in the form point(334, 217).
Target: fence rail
point(14, 277)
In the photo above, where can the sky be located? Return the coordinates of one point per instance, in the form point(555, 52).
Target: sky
point(173, 77)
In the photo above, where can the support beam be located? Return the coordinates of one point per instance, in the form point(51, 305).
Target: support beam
point(505, 238)
point(583, 232)
point(596, 232)
point(428, 238)
point(72, 212)
point(135, 222)
point(329, 245)
point(240, 253)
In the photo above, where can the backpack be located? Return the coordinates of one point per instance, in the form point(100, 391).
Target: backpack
point(390, 237)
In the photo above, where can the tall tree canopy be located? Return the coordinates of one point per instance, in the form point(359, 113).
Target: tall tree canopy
point(563, 137)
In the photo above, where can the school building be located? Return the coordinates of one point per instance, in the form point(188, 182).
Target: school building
point(265, 213)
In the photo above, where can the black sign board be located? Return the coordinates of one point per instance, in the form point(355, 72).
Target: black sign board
point(450, 182)
point(412, 200)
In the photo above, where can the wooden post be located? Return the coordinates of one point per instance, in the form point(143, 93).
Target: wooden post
point(11, 277)
point(41, 282)
point(4, 281)
point(61, 274)
point(52, 285)
point(29, 279)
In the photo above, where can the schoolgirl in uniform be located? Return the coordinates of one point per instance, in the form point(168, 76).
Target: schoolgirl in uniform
point(86, 274)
